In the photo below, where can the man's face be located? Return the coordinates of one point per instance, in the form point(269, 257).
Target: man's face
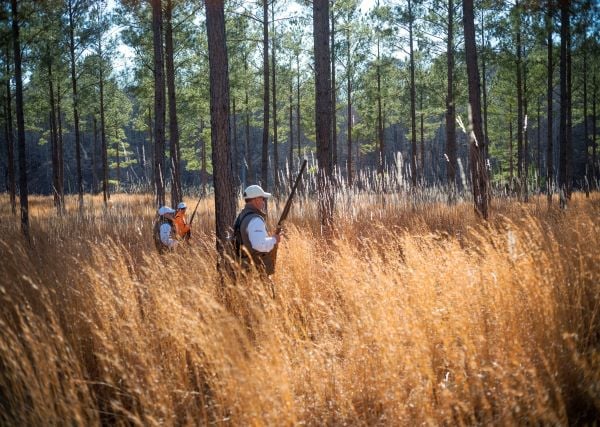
point(260, 203)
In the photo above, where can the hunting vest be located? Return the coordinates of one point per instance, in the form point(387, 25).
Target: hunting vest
point(248, 256)
point(160, 246)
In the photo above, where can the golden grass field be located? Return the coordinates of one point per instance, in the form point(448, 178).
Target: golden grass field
point(413, 314)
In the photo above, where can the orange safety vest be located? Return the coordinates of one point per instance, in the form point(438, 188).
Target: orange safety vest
point(181, 224)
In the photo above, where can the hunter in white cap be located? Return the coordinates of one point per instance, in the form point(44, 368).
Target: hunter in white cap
point(253, 242)
point(164, 230)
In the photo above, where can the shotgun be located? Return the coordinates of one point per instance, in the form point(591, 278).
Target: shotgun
point(188, 235)
point(284, 214)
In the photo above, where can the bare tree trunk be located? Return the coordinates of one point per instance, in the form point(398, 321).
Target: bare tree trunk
point(525, 189)
point(105, 188)
point(379, 113)
point(234, 140)
point(176, 191)
point(23, 190)
point(291, 128)
point(251, 176)
point(225, 197)
point(264, 173)
point(451, 108)
point(511, 174)
point(323, 113)
point(539, 145)
point(61, 151)
point(594, 161)
point(519, 98)
point(298, 140)
point(10, 143)
point(585, 123)
point(54, 142)
point(484, 85)
point(275, 147)
point(413, 113)
point(75, 105)
point(477, 139)
point(549, 89)
point(118, 160)
point(159, 103)
point(94, 160)
point(333, 96)
point(349, 108)
point(422, 142)
point(563, 143)
point(203, 164)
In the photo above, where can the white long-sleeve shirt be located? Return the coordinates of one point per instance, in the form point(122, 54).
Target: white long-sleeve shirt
point(165, 236)
point(259, 238)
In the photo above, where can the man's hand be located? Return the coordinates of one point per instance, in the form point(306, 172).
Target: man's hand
point(278, 236)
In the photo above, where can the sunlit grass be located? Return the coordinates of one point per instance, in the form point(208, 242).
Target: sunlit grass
point(414, 313)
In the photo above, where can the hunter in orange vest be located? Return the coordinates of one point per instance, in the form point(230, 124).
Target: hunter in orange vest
point(182, 228)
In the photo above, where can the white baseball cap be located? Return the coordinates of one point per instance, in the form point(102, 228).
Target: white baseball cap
point(254, 191)
point(181, 205)
point(165, 210)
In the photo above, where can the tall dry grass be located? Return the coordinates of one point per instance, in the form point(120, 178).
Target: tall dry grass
point(414, 313)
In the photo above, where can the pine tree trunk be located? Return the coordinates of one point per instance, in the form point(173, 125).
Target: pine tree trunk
point(413, 113)
point(298, 106)
point(291, 128)
point(585, 124)
point(594, 161)
point(23, 190)
point(225, 197)
point(334, 155)
point(476, 137)
point(323, 113)
point(264, 173)
point(549, 101)
point(349, 107)
point(159, 103)
point(379, 114)
point(54, 141)
point(75, 106)
point(251, 176)
point(484, 85)
point(10, 143)
point(105, 188)
point(176, 192)
point(524, 188)
point(539, 146)
point(61, 150)
point(519, 71)
point(275, 147)
point(450, 108)
point(563, 143)
point(94, 159)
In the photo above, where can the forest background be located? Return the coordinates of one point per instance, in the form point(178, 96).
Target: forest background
point(394, 86)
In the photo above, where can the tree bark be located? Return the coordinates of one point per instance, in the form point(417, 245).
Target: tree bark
point(10, 143)
point(94, 159)
point(298, 141)
point(54, 141)
point(225, 197)
point(334, 157)
point(520, 122)
point(159, 103)
point(484, 85)
point(413, 113)
point(105, 188)
point(264, 173)
point(61, 151)
point(349, 108)
point(275, 147)
point(476, 137)
point(585, 123)
point(450, 107)
point(323, 113)
point(176, 191)
point(291, 128)
point(379, 112)
point(562, 166)
point(23, 190)
point(75, 105)
point(251, 176)
point(549, 101)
